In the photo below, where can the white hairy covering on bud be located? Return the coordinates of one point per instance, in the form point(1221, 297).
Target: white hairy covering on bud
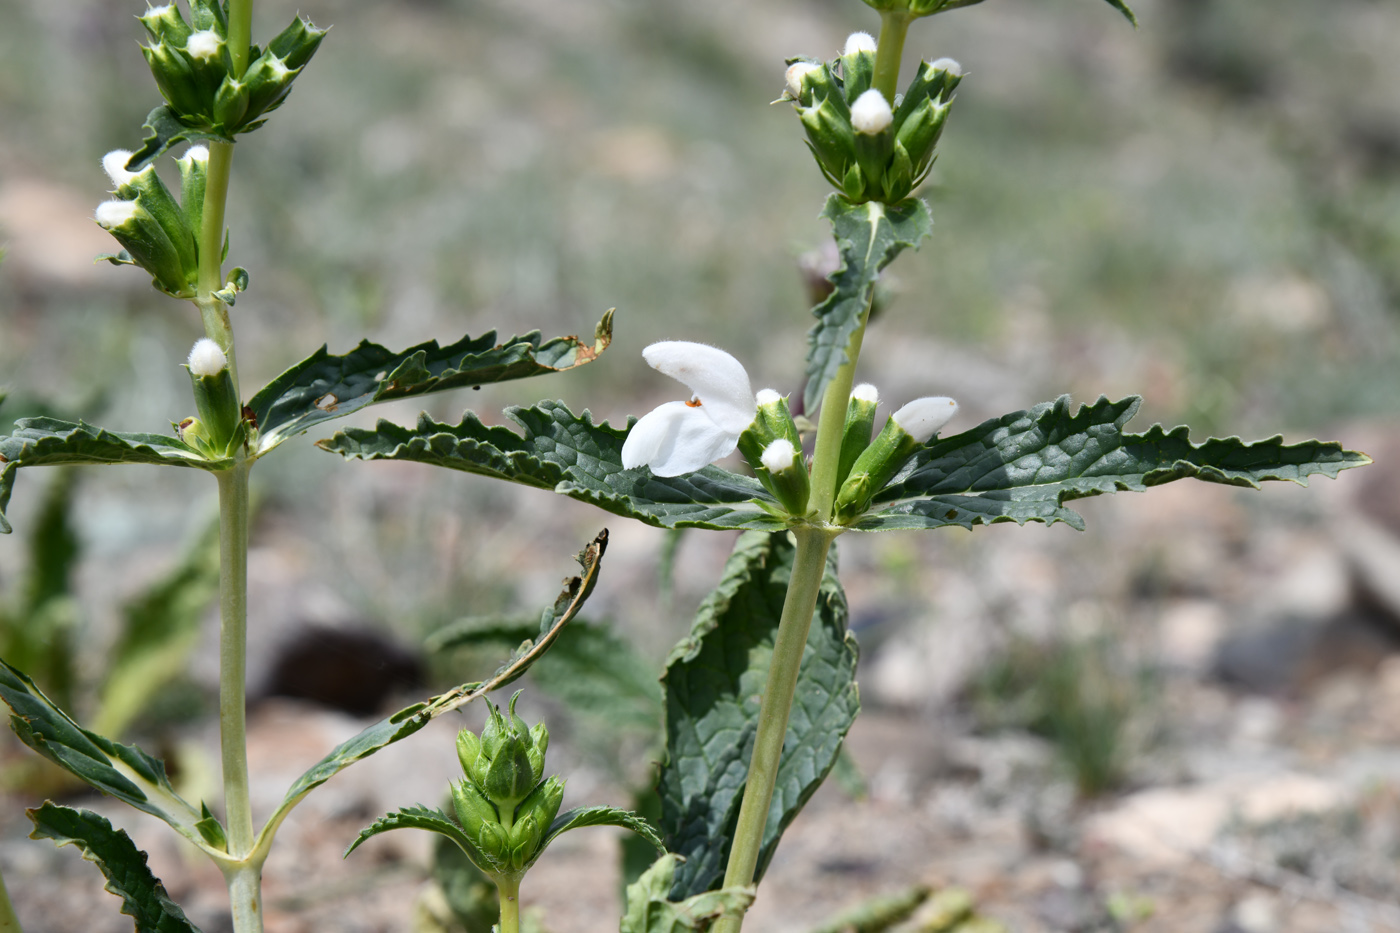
point(871, 113)
point(196, 154)
point(114, 164)
point(795, 73)
point(682, 437)
point(866, 392)
point(206, 359)
point(924, 416)
point(859, 42)
point(767, 397)
point(111, 214)
point(778, 455)
point(204, 44)
point(949, 65)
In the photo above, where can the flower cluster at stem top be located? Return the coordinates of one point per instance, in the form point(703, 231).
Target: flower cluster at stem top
point(724, 414)
point(868, 147)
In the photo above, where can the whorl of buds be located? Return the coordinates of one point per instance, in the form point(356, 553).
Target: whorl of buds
point(905, 432)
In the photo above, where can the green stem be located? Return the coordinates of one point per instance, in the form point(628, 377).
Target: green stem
point(233, 655)
point(245, 896)
point(9, 923)
point(831, 423)
point(509, 890)
point(809, 566)
point(240, 33)
point(889, 49)
point(212, 311)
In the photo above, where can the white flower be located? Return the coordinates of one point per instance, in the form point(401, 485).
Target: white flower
point(681, 437)
point(871, 113)
point(859, 42)
point(924, 416)
point(206, 359)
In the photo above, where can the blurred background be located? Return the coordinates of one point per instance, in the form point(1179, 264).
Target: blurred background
point(1205, 211)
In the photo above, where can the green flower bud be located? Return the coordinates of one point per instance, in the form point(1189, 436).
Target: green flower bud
point(209, 14)
point(860, 423)
point(857, 65)
point(230, 103)
point(828, 126)
point(906, 431)
point(772, 420)
point(468, 751)
point(194, 169)
point(473, 809)
point(176, 80)
point(269, 80)
point(783, 471)
point(146, 242)
point(165, 24)
point(215, 396)
point(510, 776)
point(543, 803)
point(297, 43)
point(539, 742)
point(146, 188)
point(210, 63)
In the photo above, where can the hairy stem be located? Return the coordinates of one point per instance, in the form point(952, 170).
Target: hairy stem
point(9, 923)
point(510, 905)
point(233, 654)
point(245, 896)
point(809, 565)
point(826, 457)
point(894, 26)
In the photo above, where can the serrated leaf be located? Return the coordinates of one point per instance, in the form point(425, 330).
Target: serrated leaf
point(420, 817)
point(590, 669)
point(322, 387)
point(165, 131)
point(580, 817)
point(49, 441)
point(409, 720)
point(714, 680)
point(571, 455)
point(650, 909)
point(869, 236)
point(159, 629)
point(123, 771)
point(1025, 465)
point(1123, 8)
point(143, 896)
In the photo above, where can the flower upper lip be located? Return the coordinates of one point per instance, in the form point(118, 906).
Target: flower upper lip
point(681, 437)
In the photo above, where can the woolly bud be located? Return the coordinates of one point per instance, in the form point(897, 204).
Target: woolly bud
point(924, 416)
point(785, 475)
point(866, 392)
point(204, 44)
point(111, 214)
point(949, 65)
point(114, 164)
point(779, 455)
point(795, 73)
point(206, 359)
point(859, 42)
point(871, 113)
point(767, 397)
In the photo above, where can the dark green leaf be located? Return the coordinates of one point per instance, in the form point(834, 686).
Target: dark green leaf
point(650, 910)
point(593, 671)
point(124, 865)
point(421, 817)
point(167, 130)
point(409, 720)
point(579, 817)
point(322, 387)
point(713, 683)
point(570, 455)
point(1024, 466)
point(123, 771)
point(48, 441)
point(869, 236)
point(159, 630)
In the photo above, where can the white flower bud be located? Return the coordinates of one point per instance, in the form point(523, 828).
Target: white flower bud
point(778, 456)
point(196, 154)
point(924, 416)
point(949, 65)
point(206, 359)
point(859, 42)
point(114, 164)
point(865, 392)
point(204, 44)
point(871, 113)
point(795, 73)
point(111, 214)
point(767, 397)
